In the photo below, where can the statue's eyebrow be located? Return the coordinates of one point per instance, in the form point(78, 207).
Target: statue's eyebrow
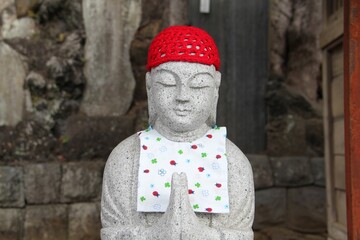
point(207, 73)
point(166, 70)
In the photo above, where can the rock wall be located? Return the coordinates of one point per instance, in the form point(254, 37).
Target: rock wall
point(290, 197)
point(294, 99)
point(66, 207)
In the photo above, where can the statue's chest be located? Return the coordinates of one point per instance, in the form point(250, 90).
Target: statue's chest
point(204, 161)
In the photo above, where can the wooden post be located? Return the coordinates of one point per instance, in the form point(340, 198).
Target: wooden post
point(352, 114)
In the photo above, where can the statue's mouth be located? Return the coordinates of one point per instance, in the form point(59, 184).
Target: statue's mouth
point(181, 111)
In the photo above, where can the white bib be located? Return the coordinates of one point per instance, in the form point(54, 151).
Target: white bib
point(204, 161)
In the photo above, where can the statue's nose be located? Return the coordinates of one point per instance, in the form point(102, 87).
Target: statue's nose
point(183, 94)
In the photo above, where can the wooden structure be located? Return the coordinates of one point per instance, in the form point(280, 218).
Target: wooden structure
point(341, 82)
point(242, 37)
point(352, 115)
point(331, 41)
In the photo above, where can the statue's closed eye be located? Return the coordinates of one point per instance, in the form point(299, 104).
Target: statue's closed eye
point(165, 84)
point(201, 81)
point(166, 79)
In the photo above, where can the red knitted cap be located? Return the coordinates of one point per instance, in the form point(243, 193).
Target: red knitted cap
point(185, 44)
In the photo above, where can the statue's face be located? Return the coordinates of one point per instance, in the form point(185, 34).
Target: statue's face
point(183, 94)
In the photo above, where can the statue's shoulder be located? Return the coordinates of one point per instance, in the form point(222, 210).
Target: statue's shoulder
point(125, 151)
point(237, 158)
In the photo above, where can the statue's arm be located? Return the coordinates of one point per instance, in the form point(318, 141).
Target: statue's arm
point(238, 223)
point(118, 221)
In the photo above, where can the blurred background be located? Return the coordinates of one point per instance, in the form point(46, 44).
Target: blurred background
point(72, 86)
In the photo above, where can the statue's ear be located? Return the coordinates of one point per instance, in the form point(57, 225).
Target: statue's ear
point(217, 78)
point(148, 81)
point(151, 108)
point(212, 118)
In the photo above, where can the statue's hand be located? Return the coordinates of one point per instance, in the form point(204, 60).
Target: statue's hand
point(179, 220)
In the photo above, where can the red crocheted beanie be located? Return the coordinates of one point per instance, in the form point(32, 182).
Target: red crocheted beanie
point(185, 44)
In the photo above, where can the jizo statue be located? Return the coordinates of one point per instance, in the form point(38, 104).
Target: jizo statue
point(181, 178)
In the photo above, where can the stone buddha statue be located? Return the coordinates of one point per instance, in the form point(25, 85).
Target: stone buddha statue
point(181, 178)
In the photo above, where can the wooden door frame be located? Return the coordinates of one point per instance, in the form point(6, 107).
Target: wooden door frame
point(352, 114)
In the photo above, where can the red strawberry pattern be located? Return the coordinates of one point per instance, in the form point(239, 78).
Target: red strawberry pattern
point(204, 161)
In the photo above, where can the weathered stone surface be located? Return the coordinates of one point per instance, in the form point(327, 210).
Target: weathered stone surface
point(280, 17)
point(295, 54)
point(270, 205)
point(46, 222)
point(81, 181)
point(19, 28)
point(42, 183)
point(93, 137)
point(291, 171)
point(154, 17)
point(110, 82)
point(282, 233)
point(286, 136)
point(12, 93)
point(315, 136)
point(304, 56)
point(84, 221)
point(178, 11)
point(31, 141)
point(260, 236)
point(318, 171)
point(307, 209)
point(262, 171)
point(11, 187)
point(11, 223)
point(23, 7)
point(4, 4)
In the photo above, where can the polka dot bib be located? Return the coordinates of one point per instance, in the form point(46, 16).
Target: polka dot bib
point(203, 160)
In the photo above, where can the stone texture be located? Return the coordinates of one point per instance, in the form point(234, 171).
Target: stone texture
point(19, 28)
point(5, 4)
point(81, 181)
point(261, 170)
point(280, 18)
point(42, 183)
point(12, 93)
point(270, 207)
point(315, 136)
point(11, 224)
point(295, 54)
point(11, 187)
point(110, 82)
point(93, 137)
point(260, 236)
point(304, 56)
point(282, 233)
point(23, 7)
point(46, 222)
point(84, 221)
point(318, 170)
point(291, 171)
point(306, 210)
point(288, 131)
point(28, 140)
